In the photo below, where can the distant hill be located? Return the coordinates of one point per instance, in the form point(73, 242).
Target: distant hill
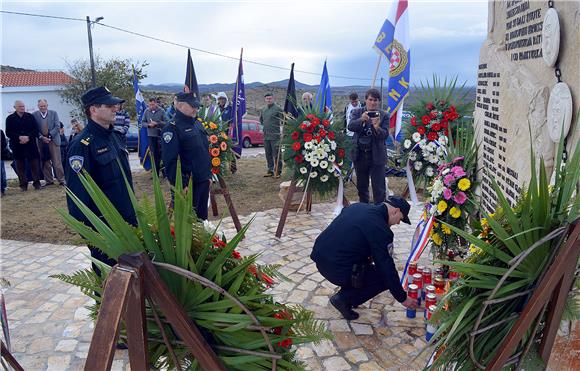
point(213, 88)
point(4, 68)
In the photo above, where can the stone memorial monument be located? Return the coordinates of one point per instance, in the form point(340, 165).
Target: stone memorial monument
point(528, 88)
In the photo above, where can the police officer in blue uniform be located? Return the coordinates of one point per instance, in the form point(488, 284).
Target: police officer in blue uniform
point(98, 151)
point(354, 252)
point(186, 139)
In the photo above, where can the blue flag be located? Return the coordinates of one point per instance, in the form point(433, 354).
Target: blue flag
point(239, 110)
point(143, 141)
point(323, 95)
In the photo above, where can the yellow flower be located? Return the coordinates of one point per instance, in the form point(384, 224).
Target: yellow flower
point(437, 239)
point(212, 126)
point(215, 161)
point(455, 212)
point(464, 184)
point(474, 249)
point(446, 229)
point(441, 206)
point(224, 135)
point(435, 224)
point(484, 223)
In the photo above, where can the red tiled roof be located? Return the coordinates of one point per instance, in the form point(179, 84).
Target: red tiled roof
point(34, 78)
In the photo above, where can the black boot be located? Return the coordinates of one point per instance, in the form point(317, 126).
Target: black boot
point(343, 307)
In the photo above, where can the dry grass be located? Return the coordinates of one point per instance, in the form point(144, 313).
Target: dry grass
point(32, 215)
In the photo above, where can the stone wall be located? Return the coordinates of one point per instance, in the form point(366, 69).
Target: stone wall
point(514, 86)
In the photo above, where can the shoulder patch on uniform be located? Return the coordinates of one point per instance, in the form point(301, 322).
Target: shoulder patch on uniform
point(76, 163)
point(167, 136)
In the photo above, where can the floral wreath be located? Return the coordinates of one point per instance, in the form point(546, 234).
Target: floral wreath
point(220, 143)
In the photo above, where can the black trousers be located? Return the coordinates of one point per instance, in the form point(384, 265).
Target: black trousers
point(372, 285)
point(365, 168)
point(155, 151)
point(200, 196)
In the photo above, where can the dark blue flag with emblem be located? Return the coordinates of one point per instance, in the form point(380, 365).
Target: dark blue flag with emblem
point(290, 104)
point(239, 109)
point(190, 79)
point(142, 140)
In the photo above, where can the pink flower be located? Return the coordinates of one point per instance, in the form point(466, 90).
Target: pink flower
point(449, 178)
point(447, 193)
point(458, 171)
point(456, 159)
point(460, 198)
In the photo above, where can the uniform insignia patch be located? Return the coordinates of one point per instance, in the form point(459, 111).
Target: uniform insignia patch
point(167, 136)
point(76, 163)
point(102, 150)
point(85, 141)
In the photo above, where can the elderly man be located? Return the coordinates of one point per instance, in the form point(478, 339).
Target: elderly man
point(23, 132)
point(307, 100)
point(99, 151)
point(270, 118)
point(49, 143)
point(354, 252)
point(185, 139)
point(154, 118)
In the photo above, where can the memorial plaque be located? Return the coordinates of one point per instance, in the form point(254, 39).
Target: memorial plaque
point(513, 89)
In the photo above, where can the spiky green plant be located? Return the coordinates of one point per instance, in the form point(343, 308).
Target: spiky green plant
point(183, 241)
point(540, 210)
point(446, 90)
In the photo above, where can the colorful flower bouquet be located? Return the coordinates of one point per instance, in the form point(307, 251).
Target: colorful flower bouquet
point(183, 241)
point(314, 151)
point(494, 245)
point(452, 201)
point(220, 143)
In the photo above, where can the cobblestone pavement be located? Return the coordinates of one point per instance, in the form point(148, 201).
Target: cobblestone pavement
point(50, 328)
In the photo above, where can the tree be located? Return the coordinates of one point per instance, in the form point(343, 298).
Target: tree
point(116, 74)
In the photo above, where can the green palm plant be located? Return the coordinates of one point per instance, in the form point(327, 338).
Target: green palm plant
point(447, 90)
point(540, 210)
point(179, 239)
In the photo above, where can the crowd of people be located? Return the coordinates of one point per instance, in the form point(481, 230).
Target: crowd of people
point(353, 252)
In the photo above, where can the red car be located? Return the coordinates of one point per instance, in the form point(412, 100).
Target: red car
point(252, 133)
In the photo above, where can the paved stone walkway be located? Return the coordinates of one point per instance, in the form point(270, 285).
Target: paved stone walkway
point(50, 328)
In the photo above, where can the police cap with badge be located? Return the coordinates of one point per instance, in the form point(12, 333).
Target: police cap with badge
point(188, 98)
point(402, 204)
point(100, 95)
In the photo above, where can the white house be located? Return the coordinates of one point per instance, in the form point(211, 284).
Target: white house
point(29, 87)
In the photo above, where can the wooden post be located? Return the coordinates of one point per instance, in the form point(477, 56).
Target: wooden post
point(136, 324)
point(286, 207)
point(225, 192)
point(156, 289)
point(10, 358)
point(213, 203)
point(104, 340)
point(554, 286)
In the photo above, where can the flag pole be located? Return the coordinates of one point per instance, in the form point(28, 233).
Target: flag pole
point(236, 92)
point(376, 70)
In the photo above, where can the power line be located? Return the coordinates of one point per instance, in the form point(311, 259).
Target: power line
point(182, 45)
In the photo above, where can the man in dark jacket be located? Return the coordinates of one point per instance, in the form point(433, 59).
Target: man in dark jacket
point(98, 150)
point(353, 252)
point(370, 125)
point(23, 132)
point(185, 139)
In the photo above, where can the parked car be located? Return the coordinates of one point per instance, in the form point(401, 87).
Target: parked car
point(252, 133)
point(133, 138)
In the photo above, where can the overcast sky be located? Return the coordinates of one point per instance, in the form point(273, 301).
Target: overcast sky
point(445, 37)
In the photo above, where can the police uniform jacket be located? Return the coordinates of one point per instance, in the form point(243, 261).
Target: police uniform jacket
point(360, 232)
point(378, 139)
point(186, 139)
point(100, 153)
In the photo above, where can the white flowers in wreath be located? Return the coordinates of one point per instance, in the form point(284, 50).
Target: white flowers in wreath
point(324, 178)
point(407, 144)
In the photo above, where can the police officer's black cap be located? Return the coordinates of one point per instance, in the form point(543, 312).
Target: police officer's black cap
point(188, 98)
point(100, 95)
point(401, 204)
point(268, 94)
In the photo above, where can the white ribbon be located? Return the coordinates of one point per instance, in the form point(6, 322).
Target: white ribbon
point(339, 198)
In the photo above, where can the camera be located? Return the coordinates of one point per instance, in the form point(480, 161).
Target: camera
point(373, 114)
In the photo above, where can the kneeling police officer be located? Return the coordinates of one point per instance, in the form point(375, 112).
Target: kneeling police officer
point(186, 139)
point(353, 253)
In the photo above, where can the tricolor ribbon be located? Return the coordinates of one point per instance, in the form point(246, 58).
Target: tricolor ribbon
point(340, 196)
point(420, 242)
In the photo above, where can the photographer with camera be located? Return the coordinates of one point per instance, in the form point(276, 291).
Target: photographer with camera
point(354, 252)
point(370, 125)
